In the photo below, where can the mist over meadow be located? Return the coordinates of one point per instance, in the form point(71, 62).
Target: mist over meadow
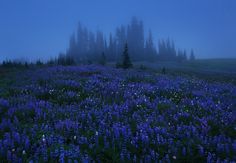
point(117, 81)
point(41, 30)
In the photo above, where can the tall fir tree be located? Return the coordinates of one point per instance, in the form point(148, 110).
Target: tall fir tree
point(135, 39)
point(126, 59)
point(192, 56)
point(103, 59)
point(150, 50)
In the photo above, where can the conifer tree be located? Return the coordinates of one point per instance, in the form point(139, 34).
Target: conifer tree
point(126, 59)
point(103, 59)
point(192, 56)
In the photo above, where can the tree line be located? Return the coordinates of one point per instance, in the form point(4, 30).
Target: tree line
point(128, 43)
point(87, 46)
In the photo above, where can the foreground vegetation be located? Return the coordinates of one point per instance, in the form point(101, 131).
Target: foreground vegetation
point(85, 113)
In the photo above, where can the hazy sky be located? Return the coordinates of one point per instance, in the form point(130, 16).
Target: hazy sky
point(41, 28)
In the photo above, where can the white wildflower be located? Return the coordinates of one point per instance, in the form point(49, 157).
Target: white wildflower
point(43, 138)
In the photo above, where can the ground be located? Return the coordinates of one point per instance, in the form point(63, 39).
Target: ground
point(85, 113)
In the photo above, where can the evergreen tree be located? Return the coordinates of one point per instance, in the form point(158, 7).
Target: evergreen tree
point(111, 49)
point(135, 39)
point(192, 56)
point(72, 47)
point(126, 59)
point(103, 59)
point(181, 56)
point(39, 62)
point(150, 50)
point(92, 45)
point(185, 58)
point(26, 65)
point(120, 40)
point(100, 43)
point(167, 50)
point(86, 45)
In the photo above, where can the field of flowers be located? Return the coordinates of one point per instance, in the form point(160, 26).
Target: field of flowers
point(93, 113)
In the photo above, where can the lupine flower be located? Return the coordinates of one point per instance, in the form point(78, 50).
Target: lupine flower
point(138, 116)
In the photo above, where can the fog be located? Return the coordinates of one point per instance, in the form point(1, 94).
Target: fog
point(42, 29)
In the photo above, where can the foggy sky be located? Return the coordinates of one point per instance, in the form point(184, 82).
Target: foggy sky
point(33, 29)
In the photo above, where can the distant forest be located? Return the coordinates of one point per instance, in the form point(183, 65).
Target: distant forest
point(128, 42)
point(87, 46)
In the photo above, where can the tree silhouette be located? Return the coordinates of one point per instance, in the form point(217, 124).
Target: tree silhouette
point(192, 56)
point(181, 56)
point(126, 59)
point(87, 45)
point(103, 59)
point(135, 39)
point(167, 50)
point(150, 50)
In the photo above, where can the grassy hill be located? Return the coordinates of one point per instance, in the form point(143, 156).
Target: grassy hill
point(216, 70)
